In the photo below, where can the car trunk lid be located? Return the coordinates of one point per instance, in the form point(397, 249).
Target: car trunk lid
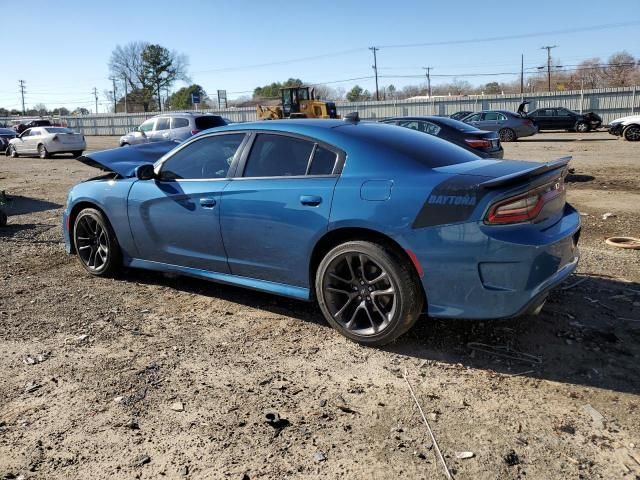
point(124, 160)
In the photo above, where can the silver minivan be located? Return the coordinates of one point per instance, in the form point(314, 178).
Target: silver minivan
point(172, 127)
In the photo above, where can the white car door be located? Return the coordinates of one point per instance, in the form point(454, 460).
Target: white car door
point(22, 145)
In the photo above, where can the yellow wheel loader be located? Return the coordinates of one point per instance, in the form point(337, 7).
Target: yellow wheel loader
point(297, 102)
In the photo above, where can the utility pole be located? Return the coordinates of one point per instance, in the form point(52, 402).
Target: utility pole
point(95, 94)
point(22, 89)
point(522, 75)
point(375, 69)
point(428, 70)
point(548, 48)
point(125, 95)
point(115, 101)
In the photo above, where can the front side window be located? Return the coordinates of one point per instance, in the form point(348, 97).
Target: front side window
point(278, 156)
point(148, 125)
point(163, 123)
point(206, 158)
point(473, 118)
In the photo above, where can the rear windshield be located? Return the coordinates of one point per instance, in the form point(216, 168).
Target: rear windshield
point(59, 130)
point(209, 121)
point(430, 151)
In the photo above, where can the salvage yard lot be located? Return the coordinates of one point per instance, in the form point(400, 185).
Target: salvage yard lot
point(150, 375)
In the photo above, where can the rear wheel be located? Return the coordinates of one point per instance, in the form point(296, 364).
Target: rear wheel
point(95, 243)
point(507, 135)
point(582, 127)
point(632, 133)
point(43, 152)
point(368, 293)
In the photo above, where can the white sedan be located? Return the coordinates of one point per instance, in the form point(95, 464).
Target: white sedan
point(46, 141)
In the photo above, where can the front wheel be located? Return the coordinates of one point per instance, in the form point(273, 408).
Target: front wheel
point(43, 152)
point(632, 133)
point(507, 135)
point(368, 292)
point(582, 127)
point(95, 243)
point(13, 153)
point(76, 154)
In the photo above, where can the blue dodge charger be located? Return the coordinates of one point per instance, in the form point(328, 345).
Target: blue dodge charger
point(377, 223)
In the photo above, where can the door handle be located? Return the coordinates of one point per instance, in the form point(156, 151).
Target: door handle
point(208, 202)
point(310, 200)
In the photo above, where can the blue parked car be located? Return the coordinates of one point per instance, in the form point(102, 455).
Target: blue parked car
point(377, 223)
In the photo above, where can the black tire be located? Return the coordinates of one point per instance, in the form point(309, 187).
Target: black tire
point(582, 127)
point(507, 135)
point(3, 218)
point(12, 152)
point(362, 297)
point(631, 133)
point(43, 152)
point(96, 244)
point(76, 154)
point(124, 144)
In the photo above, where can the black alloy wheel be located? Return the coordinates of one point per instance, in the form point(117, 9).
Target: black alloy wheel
point(95, 243)
point(368, 293)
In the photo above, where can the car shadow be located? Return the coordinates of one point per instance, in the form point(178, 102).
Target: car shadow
point(578, 178)
point(588, 333)
point(18, 205)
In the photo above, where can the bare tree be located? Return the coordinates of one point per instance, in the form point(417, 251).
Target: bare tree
point(620, 69)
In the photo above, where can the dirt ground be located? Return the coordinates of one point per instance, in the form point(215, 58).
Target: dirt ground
point(150, 376)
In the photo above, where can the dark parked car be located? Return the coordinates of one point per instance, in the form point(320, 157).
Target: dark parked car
point(509, 125)
point(460, 115)
point(559, 118)
point(21, 127)
point(6, 134)
point(482, 143)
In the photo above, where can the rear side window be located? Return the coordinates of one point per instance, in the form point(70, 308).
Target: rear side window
point(323, 161)
point(209, 157)
point(178, 122)
point(209, 121)
point(278, 156)
point(163, 123)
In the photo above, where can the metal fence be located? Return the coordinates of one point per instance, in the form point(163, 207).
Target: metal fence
point(609, 103)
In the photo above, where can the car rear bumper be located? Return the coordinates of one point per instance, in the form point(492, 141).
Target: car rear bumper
point(470, 273)
point(59, 147)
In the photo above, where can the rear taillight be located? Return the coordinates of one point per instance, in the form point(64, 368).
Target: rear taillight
point(477, 142)
point(526, 207)
point(195, 132)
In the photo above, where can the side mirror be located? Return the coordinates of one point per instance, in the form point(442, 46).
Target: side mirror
point(145, 172)
point(142, 132)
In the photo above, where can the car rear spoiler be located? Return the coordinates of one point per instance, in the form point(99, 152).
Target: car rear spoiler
point(531, 172)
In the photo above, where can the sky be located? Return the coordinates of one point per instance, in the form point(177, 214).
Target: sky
point(61, 49)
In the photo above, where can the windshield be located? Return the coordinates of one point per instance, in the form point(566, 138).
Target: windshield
point(59, 130)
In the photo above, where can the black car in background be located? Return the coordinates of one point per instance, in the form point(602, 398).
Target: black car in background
point(559, 118)
point(21, 127)
point(6, 134)
point(482, 143)
point(460, 115)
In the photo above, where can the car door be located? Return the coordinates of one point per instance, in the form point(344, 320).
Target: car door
point(30, 141)
point(489, 121)
point(175, 218)
point(565, 119)
point(145, 131)
point(21, 144)
point(161, 130)
point(278, 206)
point(180, 129)
point(546, 119)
